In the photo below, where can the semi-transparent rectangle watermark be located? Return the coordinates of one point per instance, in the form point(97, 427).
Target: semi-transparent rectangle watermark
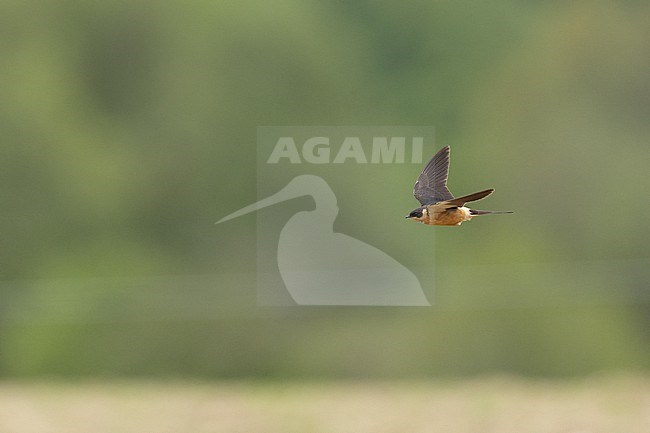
point(330, 215)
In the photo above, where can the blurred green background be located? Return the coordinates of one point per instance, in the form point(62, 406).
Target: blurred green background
point(128, 128)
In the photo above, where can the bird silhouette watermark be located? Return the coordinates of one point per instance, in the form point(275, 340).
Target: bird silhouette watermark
point(322, 267)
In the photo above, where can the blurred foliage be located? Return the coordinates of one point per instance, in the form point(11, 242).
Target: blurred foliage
point(128, 128)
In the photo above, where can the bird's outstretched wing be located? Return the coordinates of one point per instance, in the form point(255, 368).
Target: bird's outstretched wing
point(431, 186)
point(460, 201)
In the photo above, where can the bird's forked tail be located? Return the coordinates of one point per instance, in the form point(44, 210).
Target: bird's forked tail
point(475, 212)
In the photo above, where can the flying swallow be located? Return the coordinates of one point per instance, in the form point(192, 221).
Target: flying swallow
point(439, 206)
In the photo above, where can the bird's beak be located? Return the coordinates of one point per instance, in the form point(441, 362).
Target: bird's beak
point(407, 216)
point(286, 193)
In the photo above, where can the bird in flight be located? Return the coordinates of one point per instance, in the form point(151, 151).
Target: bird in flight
point(439, 206)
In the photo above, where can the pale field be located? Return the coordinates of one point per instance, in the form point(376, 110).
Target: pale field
point(612, 404)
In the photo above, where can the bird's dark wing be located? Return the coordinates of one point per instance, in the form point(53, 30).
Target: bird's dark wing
point(431, 186)
point(460, 201)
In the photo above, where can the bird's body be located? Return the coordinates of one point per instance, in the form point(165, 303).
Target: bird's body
point(439, 206)
point(435, 215)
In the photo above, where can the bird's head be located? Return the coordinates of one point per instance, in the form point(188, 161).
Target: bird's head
point(418, 214)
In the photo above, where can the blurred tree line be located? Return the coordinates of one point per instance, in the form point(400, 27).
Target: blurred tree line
point(128, 128)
